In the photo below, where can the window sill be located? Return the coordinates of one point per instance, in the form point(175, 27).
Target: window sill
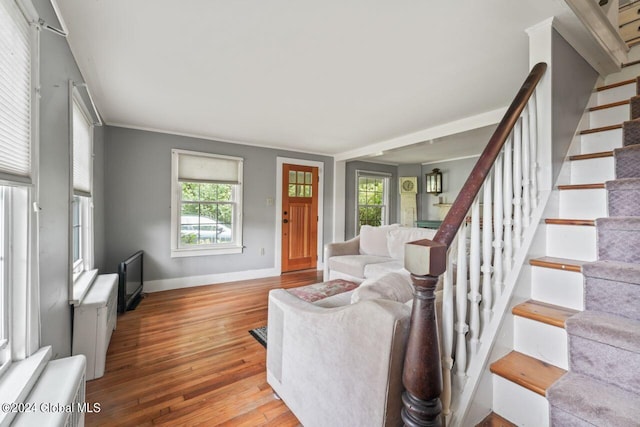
point(184, 252)
point(82, 284)
point(17, 381)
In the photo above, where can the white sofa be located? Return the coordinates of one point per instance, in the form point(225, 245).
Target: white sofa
point(375, 252)
point(338, 361)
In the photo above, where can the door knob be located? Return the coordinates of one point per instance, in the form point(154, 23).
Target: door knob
point(285, 221)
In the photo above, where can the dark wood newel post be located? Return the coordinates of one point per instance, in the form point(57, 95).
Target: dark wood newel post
point(422, 376)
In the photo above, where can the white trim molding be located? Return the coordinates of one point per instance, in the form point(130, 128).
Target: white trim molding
point(207, 279)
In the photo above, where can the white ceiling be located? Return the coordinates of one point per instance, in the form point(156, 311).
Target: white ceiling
point(457, 146)
point(325, 76)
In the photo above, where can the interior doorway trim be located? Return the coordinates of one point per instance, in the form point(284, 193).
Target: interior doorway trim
point(278, 235)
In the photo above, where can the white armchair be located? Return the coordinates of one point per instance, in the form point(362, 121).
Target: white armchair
point(338, 366)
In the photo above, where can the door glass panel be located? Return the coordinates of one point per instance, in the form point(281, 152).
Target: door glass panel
point(300, 190)
point(300, 177)
point(292, 190)
point(307, 178)
point(307, 191)
point(292, 177)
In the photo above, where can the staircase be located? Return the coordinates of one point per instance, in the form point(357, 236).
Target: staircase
point(576, 345)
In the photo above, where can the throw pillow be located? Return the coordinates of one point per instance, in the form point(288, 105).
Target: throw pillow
point(391, 286)
point(373, 240)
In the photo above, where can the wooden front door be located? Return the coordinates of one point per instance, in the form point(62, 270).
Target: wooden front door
point(299, 217)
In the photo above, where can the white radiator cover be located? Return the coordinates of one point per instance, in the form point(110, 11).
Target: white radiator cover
point(58, 397)
point(94, 321)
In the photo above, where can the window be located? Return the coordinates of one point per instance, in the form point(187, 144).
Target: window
point(18, 44)
point(372, 189)
point(81, 213)
point(206, 204)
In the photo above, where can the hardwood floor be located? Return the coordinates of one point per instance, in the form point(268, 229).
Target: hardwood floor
point(185, 357)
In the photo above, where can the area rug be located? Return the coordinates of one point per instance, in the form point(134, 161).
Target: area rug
point(260, 334)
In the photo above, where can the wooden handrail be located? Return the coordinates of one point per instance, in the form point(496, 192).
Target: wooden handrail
point(426, 260)
point(458, 212)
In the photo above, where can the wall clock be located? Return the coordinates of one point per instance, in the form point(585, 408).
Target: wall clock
point(409, 184)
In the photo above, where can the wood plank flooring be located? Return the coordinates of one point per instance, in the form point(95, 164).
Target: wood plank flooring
point(185, 357)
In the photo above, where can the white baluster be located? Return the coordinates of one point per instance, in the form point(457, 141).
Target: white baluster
point(447, 336)
point(507, 198)
point(526, 178)
point(487, 294)
point(533, 149)
point(517, 184)
point(497, 227)
point(474, 277)
point(461, 307)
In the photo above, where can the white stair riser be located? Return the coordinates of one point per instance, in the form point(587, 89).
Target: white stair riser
point(616, 94)
point(583, 204)
point(559, 287)
point(592, 171)
point(519, 405)
point(600, 141)
point(609, 116)
point(571, 241)
point(544, 342)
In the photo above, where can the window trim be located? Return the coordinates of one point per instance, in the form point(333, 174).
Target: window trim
point(387, 183)
point(85, 199)
point(176, 199)
point(21, 221)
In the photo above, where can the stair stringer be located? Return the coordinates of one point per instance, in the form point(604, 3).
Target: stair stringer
point(470, 406)
point(462, 398)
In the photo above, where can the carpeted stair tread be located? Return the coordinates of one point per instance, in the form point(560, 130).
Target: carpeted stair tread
point(623, 196)
point(618, 238)
point(557, 263)
point(612, 287)
point(634, 107)
point(631, 132)
point(613, 270)
point(623, 184)
point(626, 161)
point(628, 223)
point(549, 314)
point(578, 400)
point(527, 371)
point(616, 331)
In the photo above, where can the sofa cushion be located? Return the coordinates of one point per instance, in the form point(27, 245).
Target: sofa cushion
point(354, 265)
point(391, 286)
point(398, 237)
point(373, 240)
point(381, 268)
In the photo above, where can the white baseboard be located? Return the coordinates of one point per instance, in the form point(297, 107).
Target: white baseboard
point(208, 279)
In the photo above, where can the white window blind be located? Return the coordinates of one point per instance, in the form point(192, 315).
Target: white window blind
point(15, 93)
point(214, 169)
point(82, 130)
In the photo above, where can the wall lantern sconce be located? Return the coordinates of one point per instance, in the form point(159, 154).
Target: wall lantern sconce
point(434, 182)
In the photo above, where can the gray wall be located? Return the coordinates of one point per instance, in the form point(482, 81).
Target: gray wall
point(350, 192)
point(57, 66)
point(454, 175)
point(138, 202)
point(572, 82)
